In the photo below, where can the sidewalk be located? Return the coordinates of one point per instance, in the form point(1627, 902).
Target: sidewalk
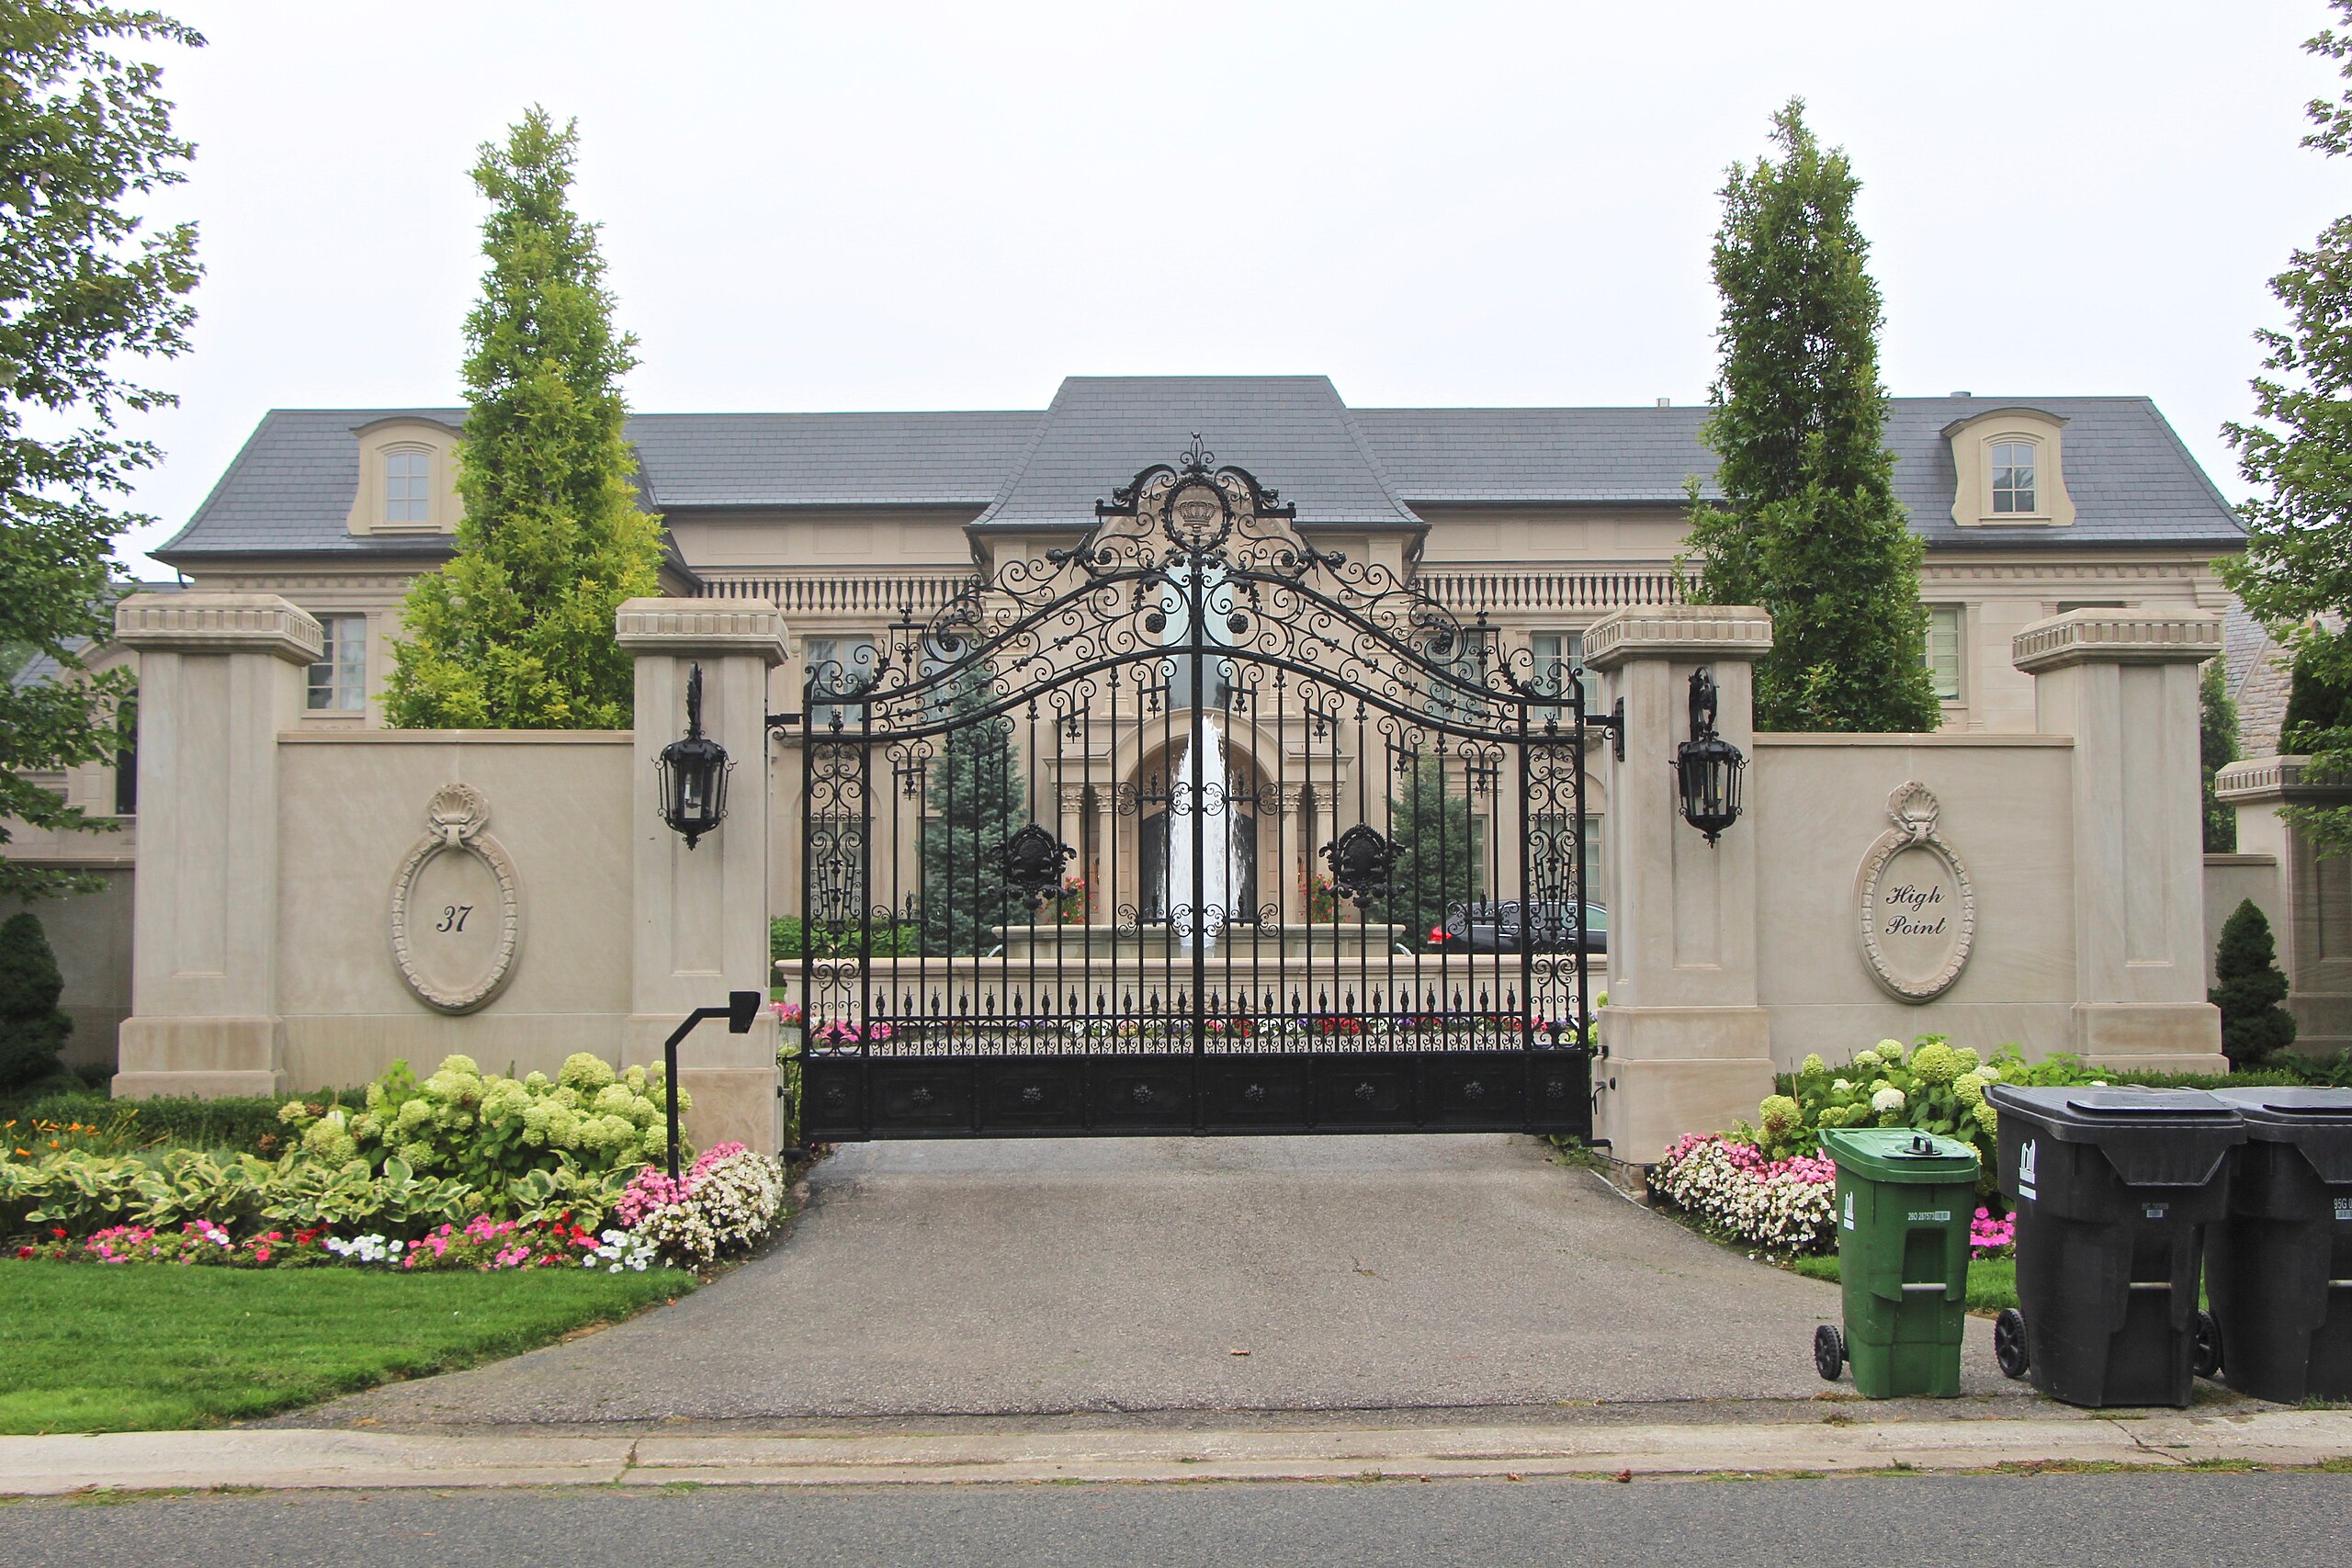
point(291, 1459)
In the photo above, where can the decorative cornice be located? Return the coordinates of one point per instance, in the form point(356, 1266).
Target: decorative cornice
point(1695, 631)
point(2117, 637)
point(218, 622)
point(709, 628)
point(2259, 779)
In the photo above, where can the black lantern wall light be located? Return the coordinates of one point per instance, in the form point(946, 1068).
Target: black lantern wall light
point(694, 773)
point(1707, 767)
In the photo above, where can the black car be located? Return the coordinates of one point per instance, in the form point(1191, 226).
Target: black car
point(1494, 927)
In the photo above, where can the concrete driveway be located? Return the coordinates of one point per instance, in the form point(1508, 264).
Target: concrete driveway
point(1017, 1278)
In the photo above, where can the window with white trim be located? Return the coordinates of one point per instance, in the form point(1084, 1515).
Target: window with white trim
point(408, 480)
point(840, 664)
point(339, 679)
point(1943, 650)
point(2013, 476)
point(1559, 658)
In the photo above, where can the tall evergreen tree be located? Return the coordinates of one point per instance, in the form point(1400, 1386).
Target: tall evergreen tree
point(2217, 747)
point(84, 134)
point(32, 1031)
point(516, 631)
point(1437, 862)
point(977, 800)
point(1809, 527)
point(2296, 573)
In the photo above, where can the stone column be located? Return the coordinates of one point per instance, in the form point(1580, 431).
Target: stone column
point(1685, 1047)
point(2123, 683)
point(2310, 901)
point(701, 916)
point(220, 674)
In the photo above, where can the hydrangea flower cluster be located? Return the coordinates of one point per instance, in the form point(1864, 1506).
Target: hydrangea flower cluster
point(490, 1128)
point(1785, 1206)
point(727, 1202)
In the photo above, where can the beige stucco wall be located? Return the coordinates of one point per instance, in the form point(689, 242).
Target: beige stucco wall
point(1819, 804)
point(351, 807)
point(2230, 880)
point(90, 933)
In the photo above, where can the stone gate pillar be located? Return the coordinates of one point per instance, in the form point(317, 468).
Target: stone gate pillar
point(701, 915)
point(2123, 683)
point(220, 674)
point(1685, 1046)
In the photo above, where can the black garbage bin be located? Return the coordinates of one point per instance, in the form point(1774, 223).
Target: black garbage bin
point(2279, 1265)
point(2114, 1189)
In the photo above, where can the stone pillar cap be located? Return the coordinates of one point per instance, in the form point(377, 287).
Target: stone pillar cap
point(218, 623)
point(1683, 631)
point(706, 628)
point(2278, 778)
point(2117, 637)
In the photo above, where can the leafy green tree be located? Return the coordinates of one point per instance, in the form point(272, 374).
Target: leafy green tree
point(976, 801)
point(516, 631)
point(32, 1031)
point(1437, 864)
point(2296, 573)
point(2217, 747)
point(84, 286)
point(1809, 527)
point(2246, 963)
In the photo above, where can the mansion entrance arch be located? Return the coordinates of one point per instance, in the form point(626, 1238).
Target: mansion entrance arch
point(1192, 827)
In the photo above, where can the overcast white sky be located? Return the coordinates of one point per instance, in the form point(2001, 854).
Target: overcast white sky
point(867, 205)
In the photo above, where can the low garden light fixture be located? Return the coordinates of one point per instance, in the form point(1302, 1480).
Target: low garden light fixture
point(1707, 767)
point(694, 773)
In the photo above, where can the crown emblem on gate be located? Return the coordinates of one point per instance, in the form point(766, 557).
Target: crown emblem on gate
point(1033, 860)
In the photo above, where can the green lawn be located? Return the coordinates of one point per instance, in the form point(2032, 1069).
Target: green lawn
point(86, 1347)
point(1991, 1281)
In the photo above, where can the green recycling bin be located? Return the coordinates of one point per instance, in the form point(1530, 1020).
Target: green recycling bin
point(1904, 1203)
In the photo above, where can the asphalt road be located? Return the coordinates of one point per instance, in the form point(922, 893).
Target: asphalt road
point(1026, 1278)
point(2181, 1521)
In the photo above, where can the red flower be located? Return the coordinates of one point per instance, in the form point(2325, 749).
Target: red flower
point(24, 1252)
point(58, 1231)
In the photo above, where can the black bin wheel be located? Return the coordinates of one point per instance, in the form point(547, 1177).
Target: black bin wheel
point(2207, 1359)
point(1828, 1351)
point(2009, 1343)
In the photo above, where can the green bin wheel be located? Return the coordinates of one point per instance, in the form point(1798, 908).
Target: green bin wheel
point(2208, 1358)
point(2009, 1343)
point(1828, 1351)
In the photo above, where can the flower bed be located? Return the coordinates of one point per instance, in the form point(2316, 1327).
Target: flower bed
point(460, 1170)
point(1784, 1206)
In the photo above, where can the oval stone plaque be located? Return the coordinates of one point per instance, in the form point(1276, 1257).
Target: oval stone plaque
point(1917, 910)
point(456, 919)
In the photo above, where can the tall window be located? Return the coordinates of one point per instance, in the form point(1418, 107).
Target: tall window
point(406, 476)
point(839, 664)
point(2012, 476)
point(1943, 650)
point(1551, 860)
point(339, 679)
point(1558, 657)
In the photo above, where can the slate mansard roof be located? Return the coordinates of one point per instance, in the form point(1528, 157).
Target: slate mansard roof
point(290, 490)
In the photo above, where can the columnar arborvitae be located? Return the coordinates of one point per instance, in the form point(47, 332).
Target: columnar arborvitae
point(2296, 573)
point(977, 800)
point(516, 631)
point(1437, 864)
point(1808, 526)
point(2217, 747)
point(32, 1031)
point(2246, 963)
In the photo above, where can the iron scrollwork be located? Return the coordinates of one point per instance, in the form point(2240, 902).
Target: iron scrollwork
point(1032, 860)
point(1362, 862)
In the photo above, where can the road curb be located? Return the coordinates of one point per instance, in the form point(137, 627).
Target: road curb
point(298, 1459)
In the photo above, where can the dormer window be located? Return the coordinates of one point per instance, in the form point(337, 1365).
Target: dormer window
point(2009, 469)
point(408, 478)
point(2013, 476)
point(408, 465)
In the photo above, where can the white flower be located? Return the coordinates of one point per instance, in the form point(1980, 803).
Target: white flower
point(1887, 1100)
point(1842, 1085)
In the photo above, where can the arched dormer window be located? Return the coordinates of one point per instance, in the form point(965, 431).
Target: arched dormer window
point(2009, 470)
point(408, 469)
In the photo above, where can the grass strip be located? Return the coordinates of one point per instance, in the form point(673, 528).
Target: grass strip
point(1991, 1281)
point(87, 1348)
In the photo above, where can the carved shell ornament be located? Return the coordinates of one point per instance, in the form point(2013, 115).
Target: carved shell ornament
point(457, 916)
point(1916, 904)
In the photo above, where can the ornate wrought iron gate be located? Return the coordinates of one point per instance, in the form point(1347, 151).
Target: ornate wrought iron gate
point(1194, 827)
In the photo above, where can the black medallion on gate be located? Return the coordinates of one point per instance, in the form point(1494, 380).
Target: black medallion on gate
point(1033, 862)
point(1361, 860)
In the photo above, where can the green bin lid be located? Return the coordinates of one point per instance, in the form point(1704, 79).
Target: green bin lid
point(1899, 1154)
